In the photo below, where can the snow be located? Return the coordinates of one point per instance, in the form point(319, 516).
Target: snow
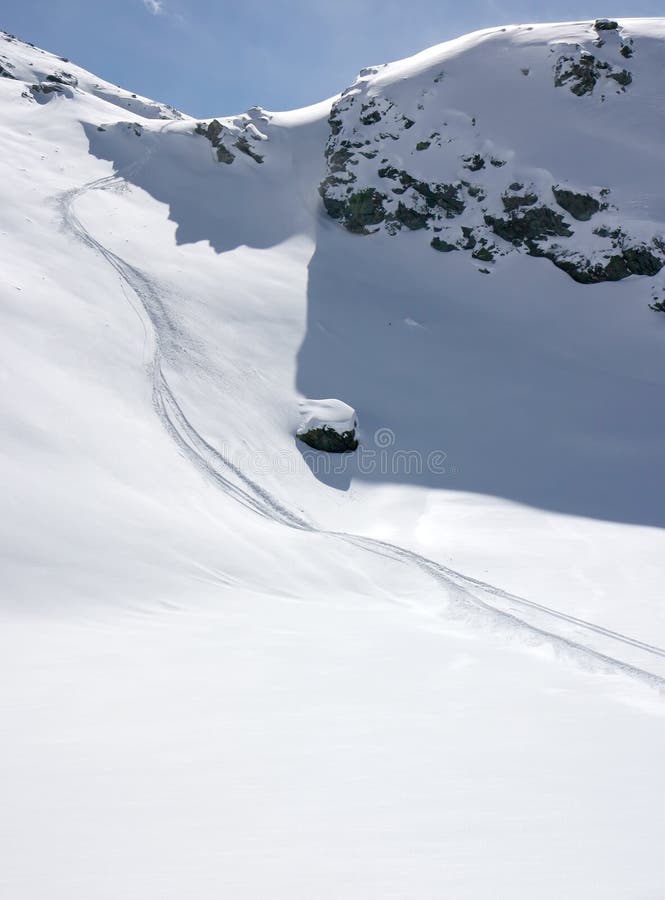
point(433, 669)
point(333, 414)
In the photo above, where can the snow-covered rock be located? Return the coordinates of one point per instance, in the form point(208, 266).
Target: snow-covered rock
point(452, 144)
point(328, 425)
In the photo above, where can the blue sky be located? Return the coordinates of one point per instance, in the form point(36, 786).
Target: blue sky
point(218, 58)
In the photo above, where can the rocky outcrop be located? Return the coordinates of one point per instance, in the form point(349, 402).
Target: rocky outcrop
point(245, 147)
point(329, 440)
point(378, 149)
point(240, 133)
point(629, 260)
point(605, 25)
point(214, 132)
point(328, 425)
point(527, 227)
point(65, 78)
point(582, 70)
point(580, 206)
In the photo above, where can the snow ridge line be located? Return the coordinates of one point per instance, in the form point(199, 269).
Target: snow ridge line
point(229, 477)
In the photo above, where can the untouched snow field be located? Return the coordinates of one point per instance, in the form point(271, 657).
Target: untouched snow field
point(232, 666)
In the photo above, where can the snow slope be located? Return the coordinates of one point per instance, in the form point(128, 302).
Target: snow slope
point(433, 668)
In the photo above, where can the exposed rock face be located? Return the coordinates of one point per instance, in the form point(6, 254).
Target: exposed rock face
point(245, 147)
point(359, 210)
point(241, 133)
point(56, 83)
point(605, 25)
point(385, 145)
point(580, 206)
point(329, 440)
point(579, 75)
point(630, 260)
point(528, 226)
point(62, 78)
point(439, 244)
point(582, 70)
point(214, 132)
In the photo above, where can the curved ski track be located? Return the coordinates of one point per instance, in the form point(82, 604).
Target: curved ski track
point(495, 609)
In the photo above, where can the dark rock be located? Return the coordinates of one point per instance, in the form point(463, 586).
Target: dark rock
point(581, 75)
point(626, 51)
point(224, 155)
point(444, 196)
point(441, 245)
point(390, 172)
point(245, 147)
point(615, 269)
point(605, 25)
point(475, 191)
point(631, 261)
point(483, 254)
point(63, 78)
point(474, 163)
point(363, 208)
point(371, 118)
point(641, 261)
point(515, 201)
point(580, 206)
point(338, 160)
point(329, 440)
point(421, 145)
point(46, 88)
point(213, 131)
point(603, 231)
point(5, 73)
point(335, 124)
point(624, 78)
point(534, 224)
point(335, 208)
point(413, 219)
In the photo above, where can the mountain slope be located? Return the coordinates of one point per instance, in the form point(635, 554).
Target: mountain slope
point(221, 648)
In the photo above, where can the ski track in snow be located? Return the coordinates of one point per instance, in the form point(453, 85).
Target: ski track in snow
point(534, 622)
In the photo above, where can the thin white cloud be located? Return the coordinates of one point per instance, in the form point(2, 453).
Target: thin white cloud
point(154, 6)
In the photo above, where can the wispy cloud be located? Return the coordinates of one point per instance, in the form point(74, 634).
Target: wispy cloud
point(154, 6)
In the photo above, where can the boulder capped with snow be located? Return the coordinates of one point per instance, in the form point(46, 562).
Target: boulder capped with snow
point(328, 425)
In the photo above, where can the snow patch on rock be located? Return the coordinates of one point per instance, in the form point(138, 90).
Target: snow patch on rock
point(328, 425)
